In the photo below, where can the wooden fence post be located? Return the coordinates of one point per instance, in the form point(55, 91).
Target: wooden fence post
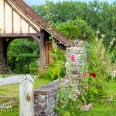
point(26, 96)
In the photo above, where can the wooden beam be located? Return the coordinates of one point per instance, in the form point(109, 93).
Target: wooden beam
point(20, 24)
point(4, 9)
point(12, 20)
point(42, 50)
point(36, 38)
point(5, 53)
point(18, 35)
point(28, 28)
point(8, 41)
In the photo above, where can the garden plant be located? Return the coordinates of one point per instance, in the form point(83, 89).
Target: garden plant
point(90, 87)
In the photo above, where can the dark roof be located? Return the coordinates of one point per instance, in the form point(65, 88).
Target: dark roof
point(38, 19)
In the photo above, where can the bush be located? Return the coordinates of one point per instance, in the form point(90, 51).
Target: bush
point(33, 67)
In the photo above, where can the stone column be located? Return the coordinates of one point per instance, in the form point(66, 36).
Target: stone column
point(76, 58)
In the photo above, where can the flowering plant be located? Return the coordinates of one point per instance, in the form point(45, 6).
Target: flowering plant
point(88, 87)
point(92, 81)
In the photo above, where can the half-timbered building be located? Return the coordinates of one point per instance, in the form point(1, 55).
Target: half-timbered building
point(18, 20)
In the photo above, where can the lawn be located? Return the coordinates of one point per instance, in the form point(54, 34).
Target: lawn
point(104, 107)
point(101, 107)
point(9, 97)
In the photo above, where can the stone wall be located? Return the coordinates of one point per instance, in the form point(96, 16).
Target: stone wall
point(45, 99)
point(76, 57)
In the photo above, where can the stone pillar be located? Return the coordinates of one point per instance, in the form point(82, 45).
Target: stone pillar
point(76, 58)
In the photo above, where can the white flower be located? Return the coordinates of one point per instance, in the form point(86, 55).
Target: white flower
point(103, 35)
point(111, 43)
point(113, 39)
point(96, 39)
point(97, 31)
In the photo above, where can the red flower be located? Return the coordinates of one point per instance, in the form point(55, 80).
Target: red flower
point(92, 74)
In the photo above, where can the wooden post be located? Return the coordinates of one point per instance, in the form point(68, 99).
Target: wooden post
point(26, 97)
point(42, 50)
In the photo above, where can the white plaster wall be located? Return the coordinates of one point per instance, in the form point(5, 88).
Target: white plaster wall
point(24, 27)
point(1, 15)
point(18, 25)
point(8, 19)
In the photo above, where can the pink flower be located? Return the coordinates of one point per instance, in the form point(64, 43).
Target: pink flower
point(73, 58)
point(84, 74)
point(86, 87)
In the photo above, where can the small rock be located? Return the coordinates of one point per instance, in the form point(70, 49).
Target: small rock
point(86, 107)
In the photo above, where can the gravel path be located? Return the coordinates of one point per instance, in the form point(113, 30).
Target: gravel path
point(11, 80)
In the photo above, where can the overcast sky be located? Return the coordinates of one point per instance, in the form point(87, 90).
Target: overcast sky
point(40, 2)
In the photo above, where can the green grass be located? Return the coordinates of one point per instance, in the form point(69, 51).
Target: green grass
point(6, 75)
point(103, 107)
point(10, 95)
point(40, 82)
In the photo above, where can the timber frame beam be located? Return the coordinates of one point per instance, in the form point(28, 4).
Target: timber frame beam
point(18, 35)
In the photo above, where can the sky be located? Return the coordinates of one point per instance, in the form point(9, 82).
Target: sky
point(40, 2)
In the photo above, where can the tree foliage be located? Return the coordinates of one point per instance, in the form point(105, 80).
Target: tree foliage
point(98, 15)
point(76, 29)
point(23, 46)
point(18, 50)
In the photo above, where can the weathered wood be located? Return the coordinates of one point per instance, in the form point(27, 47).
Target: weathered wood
point(50, 48)
point(12, 20)
point(28, 28)
point(9, 35)
point(20, 24)
point(42, 50)
point(4, 16)
point(5, 54)
point(26, 96)
point(36, 38)
point(1, 56)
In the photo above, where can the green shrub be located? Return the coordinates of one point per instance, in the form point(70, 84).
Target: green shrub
point(33, 67)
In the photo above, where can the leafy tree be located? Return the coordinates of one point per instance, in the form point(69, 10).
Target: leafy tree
point(23, 46)
point(62, 11)
point(18, 50)
point(77, 29)
point(69, 30)
point(98, 15)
